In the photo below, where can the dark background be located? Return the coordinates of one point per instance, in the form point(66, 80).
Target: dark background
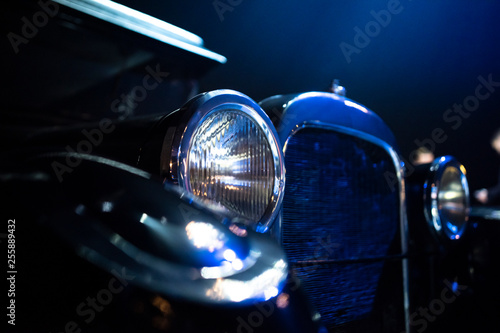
point(426, 59)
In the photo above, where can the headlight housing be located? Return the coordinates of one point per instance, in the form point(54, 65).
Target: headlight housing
point(226, 150)
point(446, 198)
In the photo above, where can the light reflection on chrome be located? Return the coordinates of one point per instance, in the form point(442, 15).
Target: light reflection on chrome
point(263, 286)
point(153, 241)
point(356, 105)
point(229, 255)
point(231, 264)
point(205, 236)
point(143, 24)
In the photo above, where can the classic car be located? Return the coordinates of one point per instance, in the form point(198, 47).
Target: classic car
point(138, 204)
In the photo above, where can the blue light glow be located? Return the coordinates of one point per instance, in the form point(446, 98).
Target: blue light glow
point(451, 227)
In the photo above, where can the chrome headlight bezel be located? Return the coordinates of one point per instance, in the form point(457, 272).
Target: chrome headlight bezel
point(193, 115)
point(437, 189)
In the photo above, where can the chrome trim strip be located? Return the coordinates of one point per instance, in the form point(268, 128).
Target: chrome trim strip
point(399, 167)
point(144, 24)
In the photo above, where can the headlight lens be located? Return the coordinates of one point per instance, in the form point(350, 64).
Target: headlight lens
point(229, 153)
point(447, 198)
point(230, 161)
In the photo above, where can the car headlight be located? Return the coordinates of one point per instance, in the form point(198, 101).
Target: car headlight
point(226, 150)
point(446, 197)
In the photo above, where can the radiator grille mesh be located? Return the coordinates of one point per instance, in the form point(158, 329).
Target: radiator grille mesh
point(339, 207)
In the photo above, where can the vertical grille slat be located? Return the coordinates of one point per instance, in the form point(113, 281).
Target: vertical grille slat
point(339, 206)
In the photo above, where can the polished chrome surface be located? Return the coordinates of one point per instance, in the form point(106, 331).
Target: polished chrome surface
point(228, 151)
point(166, 239)
point(144, 24)
point(328, 108)
point(446, 198)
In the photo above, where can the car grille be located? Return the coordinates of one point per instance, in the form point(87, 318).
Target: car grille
point(341, 229)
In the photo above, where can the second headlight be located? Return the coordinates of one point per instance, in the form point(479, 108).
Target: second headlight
point(446, 197)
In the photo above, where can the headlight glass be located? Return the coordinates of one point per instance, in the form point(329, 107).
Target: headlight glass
point(447, 198)
point(231, 162)
point(228, 153)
